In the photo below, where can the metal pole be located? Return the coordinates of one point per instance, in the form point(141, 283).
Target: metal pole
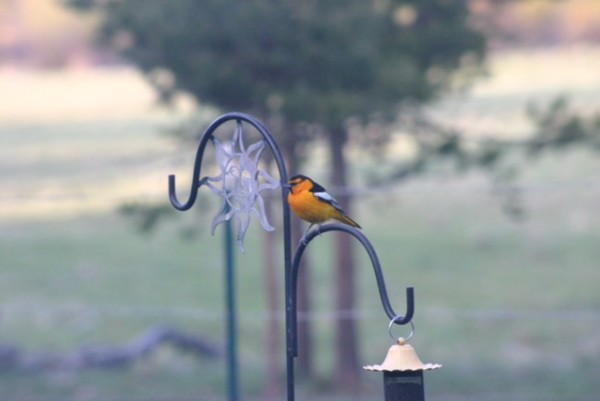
point(293, 281)
point(232, 360)
point(291, 269)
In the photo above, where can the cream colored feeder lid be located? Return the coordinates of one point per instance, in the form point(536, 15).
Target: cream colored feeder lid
point(402, 357)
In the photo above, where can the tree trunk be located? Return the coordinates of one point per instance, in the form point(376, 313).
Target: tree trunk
point(347, 361)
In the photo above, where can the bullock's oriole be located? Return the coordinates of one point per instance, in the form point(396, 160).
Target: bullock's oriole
point(309, 201)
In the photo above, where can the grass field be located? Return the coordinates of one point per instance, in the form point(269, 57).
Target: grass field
point(510, 308)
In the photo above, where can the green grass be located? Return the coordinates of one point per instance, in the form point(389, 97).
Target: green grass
point(509, 308)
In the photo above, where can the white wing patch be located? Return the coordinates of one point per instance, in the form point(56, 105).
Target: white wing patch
point(325, 197)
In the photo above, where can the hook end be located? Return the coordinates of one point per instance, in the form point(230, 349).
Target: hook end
point(410, 309)
point(173, 196)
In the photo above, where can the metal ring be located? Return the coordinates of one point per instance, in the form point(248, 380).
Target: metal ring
point(393, 321)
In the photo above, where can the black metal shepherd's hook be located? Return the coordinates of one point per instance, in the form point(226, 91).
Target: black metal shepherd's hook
point(397, 319)
point(291, 270)
point(206, 136)
point(197, 182)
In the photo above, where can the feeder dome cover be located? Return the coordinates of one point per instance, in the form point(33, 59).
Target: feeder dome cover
point(402, 357)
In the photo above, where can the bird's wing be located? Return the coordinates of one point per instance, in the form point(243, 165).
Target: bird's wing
point(325, 197)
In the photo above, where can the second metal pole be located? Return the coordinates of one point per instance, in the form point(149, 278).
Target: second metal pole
point(232, 360)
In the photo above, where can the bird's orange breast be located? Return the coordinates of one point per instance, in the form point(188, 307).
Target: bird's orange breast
point(308, 208)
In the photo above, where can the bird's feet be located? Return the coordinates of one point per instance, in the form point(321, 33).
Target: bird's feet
point(317, 229)
point(303, 240)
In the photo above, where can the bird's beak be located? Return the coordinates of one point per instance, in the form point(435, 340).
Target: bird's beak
point(286, 185)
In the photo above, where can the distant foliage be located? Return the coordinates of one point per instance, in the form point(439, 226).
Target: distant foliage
point(311, 61)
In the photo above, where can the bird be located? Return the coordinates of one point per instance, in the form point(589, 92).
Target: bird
point(311, 202)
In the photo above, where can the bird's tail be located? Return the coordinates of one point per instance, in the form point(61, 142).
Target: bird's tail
point(347, 220)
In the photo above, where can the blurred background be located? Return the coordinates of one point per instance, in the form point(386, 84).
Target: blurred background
point(462, 135)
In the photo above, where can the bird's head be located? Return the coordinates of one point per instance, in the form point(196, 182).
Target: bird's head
point(300, 182)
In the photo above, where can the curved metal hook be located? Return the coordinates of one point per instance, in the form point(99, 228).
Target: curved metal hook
point(206, 136)
point(197, 183)
point(395, 318)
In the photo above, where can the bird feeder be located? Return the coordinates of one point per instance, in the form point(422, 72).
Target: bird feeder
point(403, 372)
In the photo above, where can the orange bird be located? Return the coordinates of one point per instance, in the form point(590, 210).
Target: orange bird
point(311, 202)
